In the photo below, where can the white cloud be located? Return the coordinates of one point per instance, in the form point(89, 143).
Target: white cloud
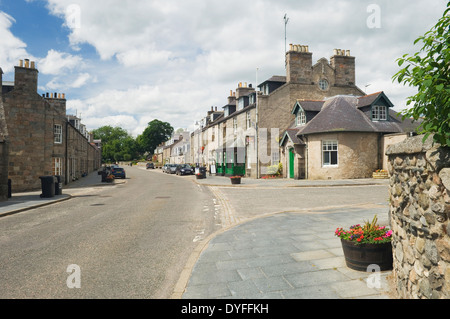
point(57, 62)
point(173, 60)
point(12, 49)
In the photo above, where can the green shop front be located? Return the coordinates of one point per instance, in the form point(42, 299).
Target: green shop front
point(230, 160)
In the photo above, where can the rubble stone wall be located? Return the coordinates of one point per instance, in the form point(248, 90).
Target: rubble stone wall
point(419, 216)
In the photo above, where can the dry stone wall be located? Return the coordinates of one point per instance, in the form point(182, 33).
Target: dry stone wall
point(419, 214)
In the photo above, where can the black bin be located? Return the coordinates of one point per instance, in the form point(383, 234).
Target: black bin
point(104, 175)
point(202, 171)
point(48, 186)
point(58, 185)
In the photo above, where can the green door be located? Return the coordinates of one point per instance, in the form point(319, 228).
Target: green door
point(291, 163)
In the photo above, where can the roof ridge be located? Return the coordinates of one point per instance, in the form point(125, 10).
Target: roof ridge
point(370, 94)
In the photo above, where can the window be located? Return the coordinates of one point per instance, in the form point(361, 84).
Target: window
point(379, 113)
point(252, 98)
point(300, 119)
point(241, 103)
point(323, 84)
point(329, 153)
point(57, 131)
point(248, 120)
point(57, 166)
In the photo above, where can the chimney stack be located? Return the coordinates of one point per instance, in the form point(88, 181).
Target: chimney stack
point(26, 76)
point(299, 64)
point(344, 66)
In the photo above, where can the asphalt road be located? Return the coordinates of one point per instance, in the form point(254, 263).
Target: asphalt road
point(127, 241)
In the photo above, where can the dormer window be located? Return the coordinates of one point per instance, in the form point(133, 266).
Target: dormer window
point(300, 118)
point(379, 113)
point(241, 103)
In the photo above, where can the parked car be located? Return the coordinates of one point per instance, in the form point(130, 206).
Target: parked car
point(149, 165)
point(118, 172)
point(184, 169)
point(171, 168)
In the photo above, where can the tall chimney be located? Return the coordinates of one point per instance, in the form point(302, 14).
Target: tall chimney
point(344, 67)
point(299, 65)
point(25, 78)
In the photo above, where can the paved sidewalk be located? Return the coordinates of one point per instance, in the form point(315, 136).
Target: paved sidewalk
point(20, 202)
point(284, 256)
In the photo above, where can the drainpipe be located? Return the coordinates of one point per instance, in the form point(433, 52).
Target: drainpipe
point(307, 157)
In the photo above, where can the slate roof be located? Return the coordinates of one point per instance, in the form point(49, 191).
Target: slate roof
point(309, 105)
point(372, 98)
point(342, 114)
point(291, 133)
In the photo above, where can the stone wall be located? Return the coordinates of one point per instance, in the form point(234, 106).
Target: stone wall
point(419, 214)
point(3, 170)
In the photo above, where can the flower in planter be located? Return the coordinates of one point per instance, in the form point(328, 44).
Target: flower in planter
point(236, 176)
point(369, 233)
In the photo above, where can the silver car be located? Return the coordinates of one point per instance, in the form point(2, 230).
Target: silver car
point(171, 168)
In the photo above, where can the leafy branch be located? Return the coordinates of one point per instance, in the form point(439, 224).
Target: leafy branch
point(429, 71)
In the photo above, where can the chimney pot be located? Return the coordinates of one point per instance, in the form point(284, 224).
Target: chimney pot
point(27, 63)
point(21, 63)
point(347, 53)
point(64, 95)
point(291, 47)
point(32, 65)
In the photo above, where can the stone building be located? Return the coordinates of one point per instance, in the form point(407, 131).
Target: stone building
point(247, 135)
point(304, 81)
point(4, 152)
point(42, 139)
point(341, 137)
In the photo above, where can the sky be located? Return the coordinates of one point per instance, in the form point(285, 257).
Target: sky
point(127, 62)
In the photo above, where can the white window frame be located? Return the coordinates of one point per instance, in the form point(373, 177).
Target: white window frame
point(379, 113)
point(323, 84)
point(57, 166)
point(328, 148)
point(248, 120)
point(241, 103)
point(300, 119)
point(57, 131)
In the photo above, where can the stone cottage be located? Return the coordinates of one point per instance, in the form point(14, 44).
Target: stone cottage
point(42, 141)
point(340, 137)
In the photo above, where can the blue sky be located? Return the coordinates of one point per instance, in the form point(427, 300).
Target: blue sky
point(127, 62)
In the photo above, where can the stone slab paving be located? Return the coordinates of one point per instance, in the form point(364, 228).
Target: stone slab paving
point(285, 256)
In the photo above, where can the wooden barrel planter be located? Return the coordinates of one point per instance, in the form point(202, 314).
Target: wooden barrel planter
point(359, 257)
point(235, 180)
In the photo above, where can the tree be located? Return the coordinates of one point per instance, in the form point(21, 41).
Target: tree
point(429, 71)
point(117, 144)
point(154, 134)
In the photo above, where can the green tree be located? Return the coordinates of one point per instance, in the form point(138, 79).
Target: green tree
point(154, 134)
point(117, 144)
point(429, 71)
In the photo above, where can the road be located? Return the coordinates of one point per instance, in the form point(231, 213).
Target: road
point(133, 240)
point(128, 241)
